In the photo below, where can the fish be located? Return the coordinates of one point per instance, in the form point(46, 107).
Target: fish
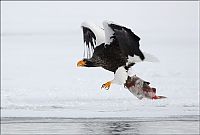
point(141, 88)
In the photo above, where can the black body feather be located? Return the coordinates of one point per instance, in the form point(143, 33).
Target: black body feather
point(114, 55)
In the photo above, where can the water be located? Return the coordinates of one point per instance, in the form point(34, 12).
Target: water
point(133, 125)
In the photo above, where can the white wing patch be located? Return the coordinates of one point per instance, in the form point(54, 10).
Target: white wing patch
point(93, 36)
point(97, 30)
point(108, 32)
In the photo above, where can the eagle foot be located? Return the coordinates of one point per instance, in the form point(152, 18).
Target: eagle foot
point(106, 85)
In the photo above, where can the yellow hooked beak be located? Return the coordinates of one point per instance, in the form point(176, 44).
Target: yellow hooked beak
point(81, 63)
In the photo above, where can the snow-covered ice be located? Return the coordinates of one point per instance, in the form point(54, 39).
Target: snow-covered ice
point(42, 41)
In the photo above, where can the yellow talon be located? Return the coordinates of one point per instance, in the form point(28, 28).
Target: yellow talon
point(106, 85)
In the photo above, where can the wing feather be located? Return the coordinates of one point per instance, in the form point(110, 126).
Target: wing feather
point(127, 40)
point(93, 36)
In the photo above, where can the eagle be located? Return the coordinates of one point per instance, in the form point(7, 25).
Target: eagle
point(114, 47)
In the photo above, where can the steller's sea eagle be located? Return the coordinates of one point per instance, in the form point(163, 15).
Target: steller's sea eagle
point(113, 47)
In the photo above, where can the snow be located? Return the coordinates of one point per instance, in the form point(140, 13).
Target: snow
point(41, 43)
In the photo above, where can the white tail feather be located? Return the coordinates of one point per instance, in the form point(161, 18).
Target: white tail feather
point(150, 57)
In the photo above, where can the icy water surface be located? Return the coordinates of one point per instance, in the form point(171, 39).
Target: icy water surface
point(137, 125)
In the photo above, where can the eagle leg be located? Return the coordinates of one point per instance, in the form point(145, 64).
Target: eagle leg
point(106, 85)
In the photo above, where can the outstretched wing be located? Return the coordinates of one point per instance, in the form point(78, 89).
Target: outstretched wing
point(93, 36)
point(126, 39)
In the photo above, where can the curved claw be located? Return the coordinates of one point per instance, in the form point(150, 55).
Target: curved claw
point(106, 85)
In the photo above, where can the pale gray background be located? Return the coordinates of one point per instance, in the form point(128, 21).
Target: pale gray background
point(42, 41)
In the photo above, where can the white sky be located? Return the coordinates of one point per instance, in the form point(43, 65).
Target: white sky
point(158, 24)
point(173, 17)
